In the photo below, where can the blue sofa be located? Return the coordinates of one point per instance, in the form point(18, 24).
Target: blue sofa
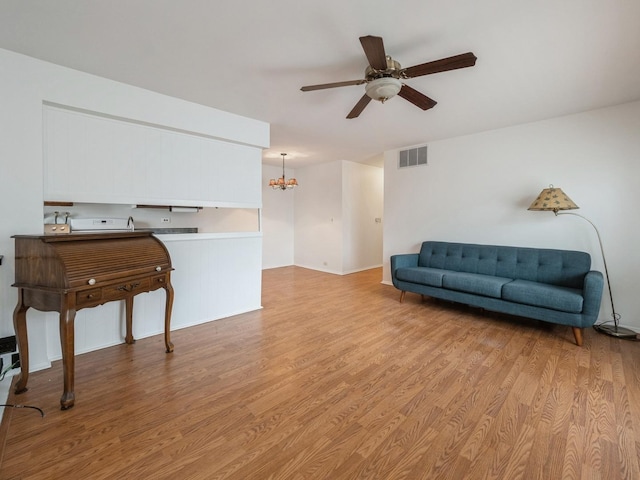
point(556, 286)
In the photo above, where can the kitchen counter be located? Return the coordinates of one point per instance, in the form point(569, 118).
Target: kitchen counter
point(206, 236)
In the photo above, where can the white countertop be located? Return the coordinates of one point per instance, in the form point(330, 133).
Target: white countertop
point(175, 237)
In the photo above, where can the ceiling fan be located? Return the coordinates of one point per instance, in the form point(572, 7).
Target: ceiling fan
point(383, 77)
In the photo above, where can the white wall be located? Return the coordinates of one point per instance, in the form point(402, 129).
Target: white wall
point(277, 220)
point(335, 211)
point(318, 217)
point(25, 83)
point(477, 188)
point(362, 204)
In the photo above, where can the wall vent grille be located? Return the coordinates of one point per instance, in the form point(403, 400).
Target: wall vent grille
point(412, 157)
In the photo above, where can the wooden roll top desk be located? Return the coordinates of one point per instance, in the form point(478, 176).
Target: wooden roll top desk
point(65, 273)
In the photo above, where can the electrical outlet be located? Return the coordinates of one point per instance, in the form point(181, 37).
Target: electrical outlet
point(166, 219)
point(5, 360)
point(7, 363)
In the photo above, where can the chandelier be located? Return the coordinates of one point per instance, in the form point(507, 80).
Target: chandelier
point(281, 183)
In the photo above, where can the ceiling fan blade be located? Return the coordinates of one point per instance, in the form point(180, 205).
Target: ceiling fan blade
point(357, 110)
point(374, 50)
point(308, 88)
point(418, 99)
point(444, 64)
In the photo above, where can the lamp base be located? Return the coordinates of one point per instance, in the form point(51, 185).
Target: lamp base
point(616, 331)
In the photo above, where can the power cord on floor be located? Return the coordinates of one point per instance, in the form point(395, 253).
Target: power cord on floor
point(24, 406)
point(2, 375)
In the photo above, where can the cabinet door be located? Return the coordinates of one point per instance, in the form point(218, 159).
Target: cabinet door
point(231, 173)
point(94, 159)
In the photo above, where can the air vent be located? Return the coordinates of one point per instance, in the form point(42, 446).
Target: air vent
point(413, 157)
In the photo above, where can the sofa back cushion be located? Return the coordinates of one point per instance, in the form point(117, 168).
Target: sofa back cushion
point(566, 268)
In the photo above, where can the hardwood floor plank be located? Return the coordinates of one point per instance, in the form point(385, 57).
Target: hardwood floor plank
point(336, 379)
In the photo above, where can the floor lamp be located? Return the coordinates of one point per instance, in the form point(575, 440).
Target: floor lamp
point(554, 199)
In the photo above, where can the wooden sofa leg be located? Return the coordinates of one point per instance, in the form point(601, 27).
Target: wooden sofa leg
point(402, 296)
point(577, 333)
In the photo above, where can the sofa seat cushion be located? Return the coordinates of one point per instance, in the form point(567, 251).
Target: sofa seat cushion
point(543, 295)
point(485, 285)
point(422, 275)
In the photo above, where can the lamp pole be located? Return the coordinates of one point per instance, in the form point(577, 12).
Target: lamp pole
point(615, 330)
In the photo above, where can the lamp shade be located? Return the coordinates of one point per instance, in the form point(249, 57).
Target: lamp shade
point(553, 199)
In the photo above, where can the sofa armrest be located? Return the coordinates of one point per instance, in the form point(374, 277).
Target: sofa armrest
point(401, 261)
point(592, 293)
point(404, 260)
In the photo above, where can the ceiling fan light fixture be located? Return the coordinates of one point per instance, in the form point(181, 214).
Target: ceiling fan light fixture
point(383, 88)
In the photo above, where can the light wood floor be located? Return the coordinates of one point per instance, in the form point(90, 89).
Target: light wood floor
point(336, 379)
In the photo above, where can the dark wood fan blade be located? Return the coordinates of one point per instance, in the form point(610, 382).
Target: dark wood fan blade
point(308, 88)
point(374, 50)
point(357, 110)
point(444, 64)
point(418, 99)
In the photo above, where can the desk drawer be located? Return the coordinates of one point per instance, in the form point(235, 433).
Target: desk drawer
point(88, 297)
point(125, 289)
point(159, 281)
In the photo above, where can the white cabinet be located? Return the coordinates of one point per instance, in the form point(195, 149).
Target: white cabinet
point(214, 277)
point(97, 159)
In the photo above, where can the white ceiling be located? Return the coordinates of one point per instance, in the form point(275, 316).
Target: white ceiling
point(536, 60)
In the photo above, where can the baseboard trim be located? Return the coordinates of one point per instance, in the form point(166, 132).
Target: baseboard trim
point(334, 272)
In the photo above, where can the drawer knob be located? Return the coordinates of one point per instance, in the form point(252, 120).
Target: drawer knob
point(92, 281)
point(158, 268)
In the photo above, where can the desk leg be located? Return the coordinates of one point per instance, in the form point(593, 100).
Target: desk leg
point(129, 320)
point(20, 326)
point(167, 317)
point(67, 318)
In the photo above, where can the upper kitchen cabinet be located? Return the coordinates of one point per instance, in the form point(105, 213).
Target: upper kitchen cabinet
point(96, 158)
